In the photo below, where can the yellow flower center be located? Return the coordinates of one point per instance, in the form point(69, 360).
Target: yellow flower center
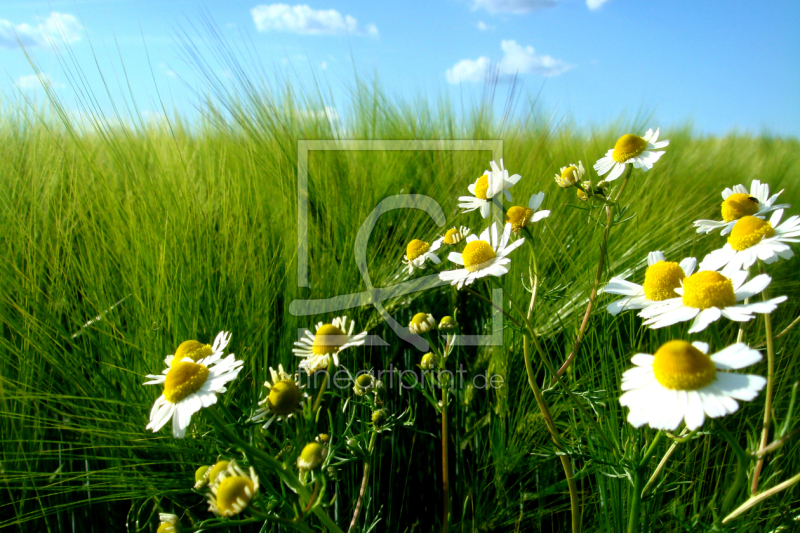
point(452, 236)
point(749, 231)
point(661, 280)
point(680, 366)
point(312, 456)
point(364, 381)
point(184, 378)
point(328, 339)
point(482, 187)
point(416, 248)
point(476, 253)
point(708, 289)
point(216, 470)
point(518, 217)
point(582, 196)
point(628, 146)
point(420, 320)
point(569, 174)
point(166, 527)
point(738, 205)
point(284, 397)
point(428, 361)
point(200, 473)
point(233, 495)
point(192, 350)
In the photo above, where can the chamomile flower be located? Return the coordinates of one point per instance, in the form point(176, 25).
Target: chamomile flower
point(638, 151)
point(682, 383)
point(326, 344)
point(570, 175)
point(312, 456)
point(233, 490)
point(193, 350)
point(285, 397)
point(487, 187)
point(421, 323)
point(188, 387)
point(661, 279)
point(706, 296)
point(168, 523)
point(417, 252)
point(739, 202)
point(452, 236)
point(754, 238)
point(365, 383)
point(482, 256)
point(519, 217)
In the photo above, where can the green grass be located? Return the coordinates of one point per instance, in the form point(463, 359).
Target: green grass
point(194, 230)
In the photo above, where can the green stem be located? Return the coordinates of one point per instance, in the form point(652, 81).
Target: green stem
point(322, 388)
point(597, 278)
point(767, 397)
point(287, 476)
point(741, 468)
point(364, 482)
point(445, 463)
point(302, 526)
point(638, 481)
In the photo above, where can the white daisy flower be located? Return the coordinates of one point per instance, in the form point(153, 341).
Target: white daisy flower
point(326, 344)
point(570, 175)
point(737, 203)
point(488, 186)
point(233, 490)
point(519, 217)
point(421, 323)
point(638, 151)
point(682, 383)
point(194, 351)
point(661, 279)
point(452, 236)
point(484, 256)
point(417, 252)
point(285, 397)
point(188, 387)
point(168, 523)
point(754, 238)
point(708, 295)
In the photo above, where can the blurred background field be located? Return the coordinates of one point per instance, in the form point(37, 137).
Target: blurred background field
point(185, 230)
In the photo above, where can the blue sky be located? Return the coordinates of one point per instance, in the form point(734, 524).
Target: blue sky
point(723, 66)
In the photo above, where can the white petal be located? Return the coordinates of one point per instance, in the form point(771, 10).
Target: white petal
point(655, 257)
point(695, 414)
point(643, 359)
point(623, 287)
point(704, 318)
point(743, 387)
point(702, 346)
point(736, 356)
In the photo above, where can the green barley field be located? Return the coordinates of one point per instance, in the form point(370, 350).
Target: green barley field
point(173, 231)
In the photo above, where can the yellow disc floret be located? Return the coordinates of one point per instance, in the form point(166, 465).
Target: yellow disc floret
point(680, 366)
point(193, 350)
point(482, 187)
point(708, 289)
point(312, 456)
point(421, 323)
point(628, 146)
point(328, 339)
point(452, 236)
point(518, 217)
point(661, 280)
point(218, 468)
point(738, 205)
point(284, 397)
point(234, 494)
point(476, 253)
point(569, 176)
point(416, 248)
point(749, 231)
point(183, 379)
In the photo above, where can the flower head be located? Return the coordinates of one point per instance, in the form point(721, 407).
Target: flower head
point(452, 236)
point(428, 361)
point(284, 399)
point(448, 323)
point(682, 383)
point(312, 456)
point(739, 202)
point(706, 296)
point(661, 279)
point(519, 217)
point(484, 256)
point(326, 344)
point(191, 385)
point(418, 252)
point(168, 523)
point(754, 238)
point(365, 383)
point(631, 149)
point(570, 175)
point(421, 323)
point(193, 350)
point(487, 187)
point(233, 490)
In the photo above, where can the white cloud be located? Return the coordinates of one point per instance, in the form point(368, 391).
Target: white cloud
point(34, 82)
point(468, 70)
point(482, 26)
point(58, 27)
point(516, 59)
point(513, 6)
point(595, 4)
point(323, 65)
point(307, 21)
